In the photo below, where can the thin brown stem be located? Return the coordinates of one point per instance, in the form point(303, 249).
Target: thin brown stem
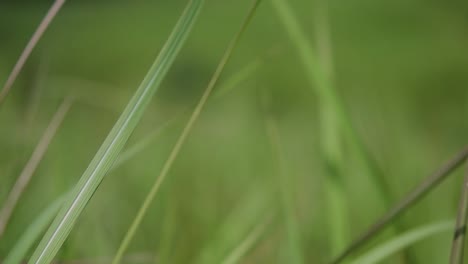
point(419, 192)
point(456, 256)
point(30, 46)
point(31, 166)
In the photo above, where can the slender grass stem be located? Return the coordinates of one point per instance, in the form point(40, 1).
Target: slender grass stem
point(414, 196)
point(28, 171)
point(459, 236)
point(54, 9)
point(183, 136)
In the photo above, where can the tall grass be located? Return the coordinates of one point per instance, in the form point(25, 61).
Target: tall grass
point(116, 139)
point(40, 224)
point(244, 226)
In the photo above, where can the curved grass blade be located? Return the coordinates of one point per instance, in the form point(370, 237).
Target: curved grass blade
point(118, 136)
point(181, 140)
point(32, 233)
point(30, 46)
point(413, 197)
point(402, 241)
point(32, 164)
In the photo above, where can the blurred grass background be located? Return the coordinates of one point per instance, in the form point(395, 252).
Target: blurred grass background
point(400, 67)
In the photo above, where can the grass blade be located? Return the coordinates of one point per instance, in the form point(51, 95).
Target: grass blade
point(32, 233)
point(237, 78)
point(458, 245)
point(331, 124)
point(229, 241)
point(116, 139)
point(402, 241)
point(242, 249)
point(181, 140)
point(30, 46)
point(31, 166)
point(419, 192)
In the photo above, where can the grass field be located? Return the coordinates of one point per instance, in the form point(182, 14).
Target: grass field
point(326, 114)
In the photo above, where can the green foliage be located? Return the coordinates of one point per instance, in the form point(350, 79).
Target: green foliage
point(392, 105)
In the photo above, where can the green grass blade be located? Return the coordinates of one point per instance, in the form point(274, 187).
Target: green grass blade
point(183, 136)
point(116, 139)
point(402, 241)
point(32, 233)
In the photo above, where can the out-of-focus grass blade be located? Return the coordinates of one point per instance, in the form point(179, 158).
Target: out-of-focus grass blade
point(229, 240)
point(402, 241)
point(28, 171)
point(239, 252)
point(30, 46)
point(331, 125)
point(118, 136)
point(183, 136)
point(336, 126)
point(238, 77)
point(32, 233)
